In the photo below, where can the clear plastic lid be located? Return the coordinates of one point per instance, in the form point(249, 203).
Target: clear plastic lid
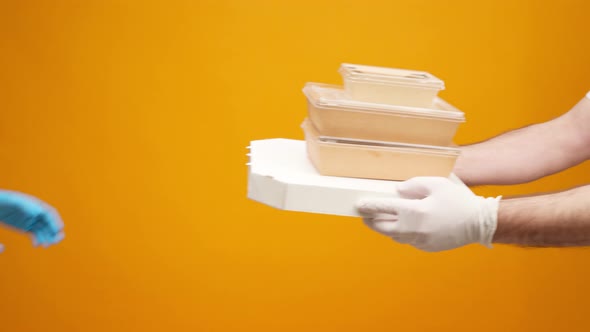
point(333, 96)
point(404, 147)
point(393, 76)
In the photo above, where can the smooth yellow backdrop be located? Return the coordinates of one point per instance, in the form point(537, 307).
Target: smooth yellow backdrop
point(132, 118)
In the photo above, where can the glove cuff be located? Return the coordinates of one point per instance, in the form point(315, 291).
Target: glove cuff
point(488, 217)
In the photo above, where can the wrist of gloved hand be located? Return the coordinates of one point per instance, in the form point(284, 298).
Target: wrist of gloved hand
point(433, 214)
point(488, 219)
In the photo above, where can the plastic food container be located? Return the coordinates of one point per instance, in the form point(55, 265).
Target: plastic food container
point(335, 114)
point(376, 160)
point(390, 85)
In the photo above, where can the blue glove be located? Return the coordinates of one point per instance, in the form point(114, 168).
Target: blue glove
point(31, 215)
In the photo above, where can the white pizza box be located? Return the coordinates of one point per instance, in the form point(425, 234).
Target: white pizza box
point(280, 175)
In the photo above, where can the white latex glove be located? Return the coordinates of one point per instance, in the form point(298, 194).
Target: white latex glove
point(433, 214)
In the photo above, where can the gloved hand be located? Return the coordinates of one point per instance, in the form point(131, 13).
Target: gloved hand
point(29, 214)
point(433, 214)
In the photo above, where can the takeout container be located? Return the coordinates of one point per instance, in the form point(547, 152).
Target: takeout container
point(334, 113)
point(390, 85)
point(347, 157)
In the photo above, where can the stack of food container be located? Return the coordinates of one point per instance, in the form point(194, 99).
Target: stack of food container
point(384, 123)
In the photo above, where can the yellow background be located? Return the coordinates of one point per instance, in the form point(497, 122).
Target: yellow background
point(132, 118)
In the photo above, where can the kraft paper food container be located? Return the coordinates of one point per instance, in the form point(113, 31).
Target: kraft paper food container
point(333, 113)
point(376, 160)
point(390, 85)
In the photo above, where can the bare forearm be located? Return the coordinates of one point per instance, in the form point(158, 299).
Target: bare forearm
point(551, 220)
point(514, 157)
point(529, 153)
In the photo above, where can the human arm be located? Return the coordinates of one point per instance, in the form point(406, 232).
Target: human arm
point(551, 220)
point(529, 153)
point(435, 214)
